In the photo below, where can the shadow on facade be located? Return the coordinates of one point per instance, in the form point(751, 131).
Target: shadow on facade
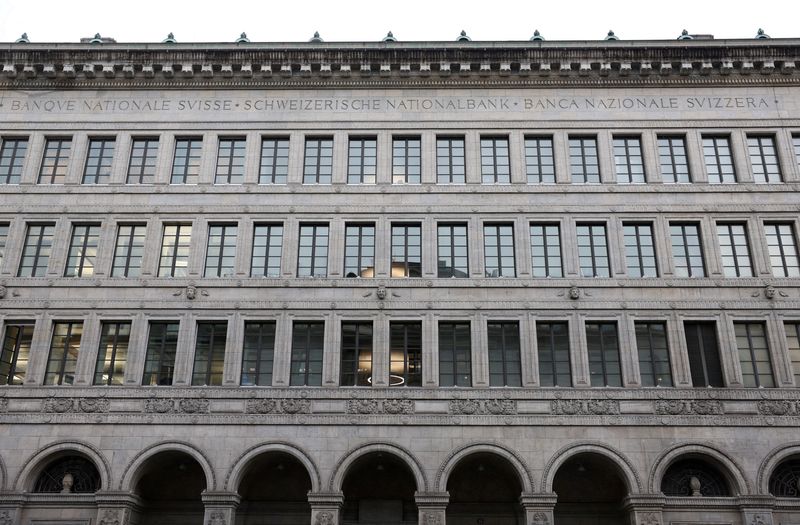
point(590, 490)
point(484, 488)
point(170, 486)
point(379, 490)
point(274, 490)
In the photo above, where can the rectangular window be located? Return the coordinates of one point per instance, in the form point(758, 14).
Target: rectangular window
point(628, 161)
point(406, 160)
point(640, 251)
point(782, 250)
point(362, 160)
point(267, 250)
point(230, 161)
point(673, 160)
point(3, 241)
point(36, 252)
point(764, 159)
point(450, 163)
point(99, 160)
point(602, 344)
point(112, 356)
point(452, 249)
point(796, 145)
point(312, 256)
point(495, 163)
point(129, 250)
point(455, 354)
point(687, 250)
point(719, 160)
point(406, 250)
point(209, 353)
point(498, 247)
point(703, 350)
point(583, 162)
point(539, 162)
point(12, 158)
point(546, 250)
point(16, 353)
point(63, 355)
point(356, 367)
point(258, 354)
point(274, 168)
point(505, 365)
point(405, 354)
point(593, 250)
point(651, 342)
point(793, 344)
point(221, 253)
point(734, 250)
point(359, 250)
point(144, 161)
point(186, 164)
point(318, 164)
point(751, 341)
point(55, 161)
point(552, 341)
point(162, 347)
point(83, 250)
point(308, 343)
point(175, 249)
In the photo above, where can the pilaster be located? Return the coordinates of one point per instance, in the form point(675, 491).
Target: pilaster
point(326, 507)
point(220, 507)
point(432, 507)
point(538, 508)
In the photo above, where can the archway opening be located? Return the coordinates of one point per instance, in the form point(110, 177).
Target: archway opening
point(484, 486)
point(68, 474)
point(170, 485)
point(590, 490)
point(379, 490)
point(785, 479)
point(694, 476)
point(274, 489)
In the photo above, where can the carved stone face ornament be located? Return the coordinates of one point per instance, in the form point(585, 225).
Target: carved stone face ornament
point(66, 483)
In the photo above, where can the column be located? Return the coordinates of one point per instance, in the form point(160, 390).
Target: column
point(380, 351)
point(220, 507)
point(538, 508)
point(432, 507)
point(325, 507)
point(114, 507)
point(234, 339)
point(480, 357)
point(87, 353)
point(644, 509)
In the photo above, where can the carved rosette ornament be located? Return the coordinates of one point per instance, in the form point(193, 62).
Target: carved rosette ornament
point(494, 407)
point(775, 408)
point(5, 518)
point(681, 407)
point(94, 405)
point(61, 405)
point(193, 406)
point(275, 406)
point(159, 406)
point(362, 406)
point(650, 518)
point(540, 518)
point(324, 518)
point(110, 517)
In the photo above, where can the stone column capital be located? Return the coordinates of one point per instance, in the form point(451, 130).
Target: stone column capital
point(220, 498)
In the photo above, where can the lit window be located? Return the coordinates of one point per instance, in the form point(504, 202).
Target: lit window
point(175, 249)
point(495, 164)
point(602, 344)
point(405, 354)
point(209, 353)
point(16, 352)
point(359, 250)
point(782, 250)
point(593, 250)
point(734, 250)
point(230, 161)
point(406, 250)
point(186, 163)
point(450, 163)
point(144, 161)
point(764, 159)
point(129, 250)
point(651, 342)
point(112, 356)
point(453, 253)
point(318, 164)
point(99, 161)
point(258, 354)
point(628, 161)
point(406, 160)
point(673, 159)
point(640, 251)
point(505, 368)
point(719, 160)
point(83, 250)
point(356, 364)
point(552, 341)
point(498, 246)
point(221, 252)
point(308, 342)
point(312, 255)
point(267, 250)
point(274, 167)
point(162, 347)
point(546, 250)
point(751, 341)
point(539, 162)
point(12, 158)
point(583, 161)
point(63, 357)
point(36, 251)
point(55, 161)
point(455, 354)
point(362, 160)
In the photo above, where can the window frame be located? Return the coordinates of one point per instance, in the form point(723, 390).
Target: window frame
point(268, 247)
point(533, 151)
point(446, 163)
point(729, 235)
point(15, 160)
point(143, 161)
point(78, 263)
point(716, 160)
point(129, 247)
point(652, 359)
point(674, 171)
point(317, 172)
point(307, 348)
point(215, 265)
point(603, 361)
point(61, 160)
point(553, 353)
point(628, 144)
point(101, 361)
point(37, 270)
point(545, 246)
point(787, 270)
point(218, 329)
point(351, 359)
point(319, 263)
point(60, 373)
point(645, 271)
point(104, 159)
point(759, 159)
point(187, 172)
point(454, 352)
point(406, 159)
point(494, 228)
point(580, 162)
point(162, 352)
point(410, 361)
point(449, 245)
point(759, 377)
point(494, 161)
point(504, 354)
point(231, 165)
point(264, 353)
point(173, 256)
point(363, 261)
point(22, 327)
point(404, 249)
point(593, 247)
point(358, 160)
point(279, 144)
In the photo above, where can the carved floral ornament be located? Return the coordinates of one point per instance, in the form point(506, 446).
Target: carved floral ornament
point(6, 518)
point(217, 517)
point(540, 518)
point(324, 518)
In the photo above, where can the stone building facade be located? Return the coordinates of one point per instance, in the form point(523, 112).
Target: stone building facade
point(465, 283)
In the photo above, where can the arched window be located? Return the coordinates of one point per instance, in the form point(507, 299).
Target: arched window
point(69, 474)
point(693, 477)
point(785, 480)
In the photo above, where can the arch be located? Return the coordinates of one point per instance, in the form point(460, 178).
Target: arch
point(133, 470)
point(723, 461)
point(626, 468)
point(525, 479)
point(344, 464)
point(235, 474)
point(775, 457)
point(34, 464)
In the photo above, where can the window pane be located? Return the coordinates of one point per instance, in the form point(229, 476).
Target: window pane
point(704, 361)
point(406, 250)
point(83, 250)
point(162, 346)
point(498, 246)
point(405, 354)
point(36, 251)
point(318, 163)
point(673, 160)
point(112, 356)
point(764, 159)
point(274, 161)
point(793, 344)
point(583, 161)
point(593, 250)
point(495, 163)
point(628, 161)
point(129, 250)
point(734, 250)
point(546, 250)
point(552, 341)
point(539, 161)
point(406, 160)
point(12, 158)
point(312, 258)
point(307, 352)
point(453, 258)
point(143, 162)
point(450, 163)
point(603, 347)
point(55, 161)
point(230, 161)
point(258, 353)
point(719, 160)
point(687, 250)
point(455, 359)
point(99, 161)
point(356, 354)
point(505, 367)
point(186, 163)
point(359, 250)
point(362, 161)
point(16, 352)
point(221, 251)
point(651, 343)
point(63, 357)
point(754, 358)
point(640, 255)
point(267, 250)
point(175, 248)
point(209, 353)
point(782, 245)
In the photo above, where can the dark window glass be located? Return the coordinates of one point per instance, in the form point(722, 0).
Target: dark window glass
point(405, 354)
point(602, 344)
point(175, 249)
point(754, 358)
point(796, 146)
point(719, 160)
point(186, 164)
point(651, 342)
point(450, 163)
point(36, 252)
point(455, 354)
point(267, 250)
point(63, 355)
point(593, 250)
point(55, 161)
point(308, 342)
point(16, 353)
point(85, 477)
point(453, 251)
point(505, 368)
point(495, 163)
point(359, 250)
point(82, 250)
point(628, 161)
point(704, 363)
point(682, 477)
point(782, 246)
point(162, 346)
point(640, 250)
point(539, 163)
point(3, 241)
point(221, 252)
point(552, 341)
point(764, 159)
point(230, 161)
point(546, 250)
point(687, 250)
point(583, 163)
point(12, 159)
point(129, 250)
point(362, 160)
point(673, 160)
point(318, 164)
point(144, 161)
point(274, 161)
point(99, 161)
point(406, 250)
point(356, 364)
point(734, 250)
point(258, 353)
point(785, 479)
point(406, 160)
point(312, 256)
point(112, 356)
point(793, 345)
point(498, 247)
point(209, 353)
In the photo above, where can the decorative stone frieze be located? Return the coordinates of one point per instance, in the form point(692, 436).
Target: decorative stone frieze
point(62, 405)
point(777, 408)
point(382, 406)
point(583, 407)
point(496, 407)
point(278, 406)
point(684, 407)
point(176, 406)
